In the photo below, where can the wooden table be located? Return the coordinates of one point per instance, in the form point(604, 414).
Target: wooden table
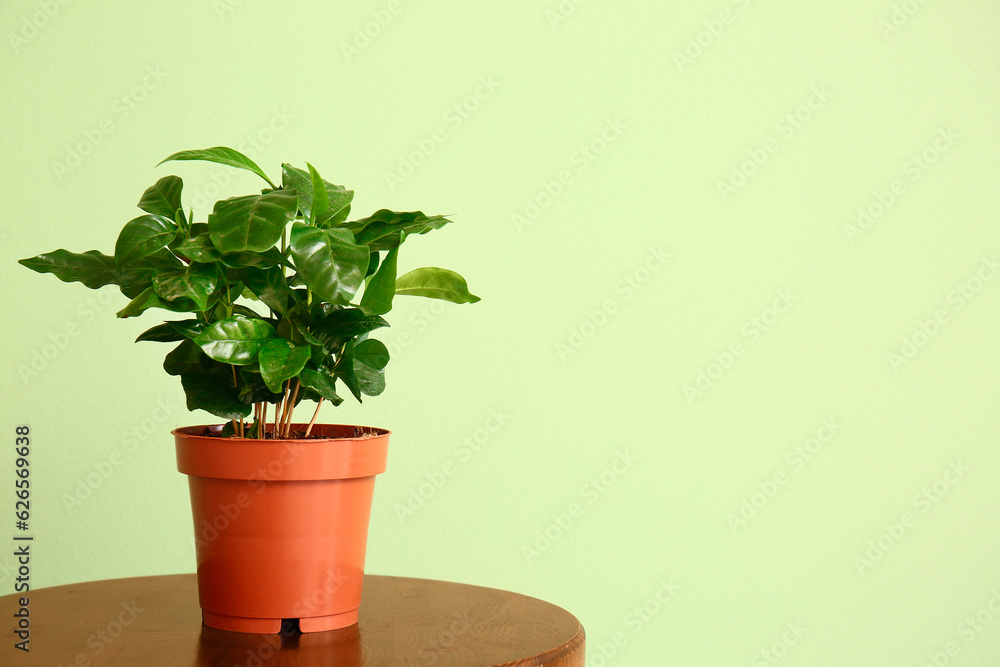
point(150, 621)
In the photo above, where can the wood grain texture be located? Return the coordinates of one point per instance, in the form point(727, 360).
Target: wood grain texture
point(151, 621)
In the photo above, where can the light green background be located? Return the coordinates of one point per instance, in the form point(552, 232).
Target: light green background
point(584, 367)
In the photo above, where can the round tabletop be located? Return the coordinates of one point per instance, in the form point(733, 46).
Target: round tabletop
point(152, 621)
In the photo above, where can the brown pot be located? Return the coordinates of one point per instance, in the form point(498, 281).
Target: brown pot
point(281, 526)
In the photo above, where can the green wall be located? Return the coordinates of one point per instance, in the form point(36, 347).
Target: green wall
point(732, 385)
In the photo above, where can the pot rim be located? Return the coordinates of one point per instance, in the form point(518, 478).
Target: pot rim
point(195, 432)
point(301, 459)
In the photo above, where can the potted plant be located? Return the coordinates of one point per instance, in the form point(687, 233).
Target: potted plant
point(267, 295)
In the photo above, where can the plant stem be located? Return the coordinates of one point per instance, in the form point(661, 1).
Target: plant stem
point(291, 408)
point(284, 411)
point(263, 420)
point(315, 414)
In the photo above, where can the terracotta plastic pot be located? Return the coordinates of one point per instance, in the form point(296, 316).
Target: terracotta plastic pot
point(281, 526)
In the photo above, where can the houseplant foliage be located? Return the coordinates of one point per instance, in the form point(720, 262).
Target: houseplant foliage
point(276, 294)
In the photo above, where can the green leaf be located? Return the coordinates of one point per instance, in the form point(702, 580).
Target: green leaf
point(253, 389)
point(371, 381)
point(214, 394)
point(221, 155)
point(280, 360)
point(253, 222)
point(268, 285)
point(346, 323)
point(235, 340)
point(148, 299)
point(320, 199)
point(198, 249)
point(371, 352)
point(163, 198)
point(301, 182)
point(140, 304)
point(344, 370)
point(184, 359)
point(383, 229)
point(240, 309)
point(138, 275)
point(195, 282)
point(372, 265)
point(161, 333)
point(322, 383)
point(143, 236)
point(329, 262)
point(382, 287)
point(435, 283)
point(92, 268)
point(270, 257)
point(188, 328)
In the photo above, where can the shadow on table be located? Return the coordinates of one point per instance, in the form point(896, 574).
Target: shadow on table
point(335, 647)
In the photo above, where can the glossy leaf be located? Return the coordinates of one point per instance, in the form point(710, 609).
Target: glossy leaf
point(221, 155)
point(163, 198)
point(322, 383)
point(338, 197)
point(251, 223)
point(138, 275)
point(184, 359)
point(280, 360)
point(144, 301)
point(372, 264)
point(371, 381)
point(320, 199)
point(329, 262)
point(253, 389)
point(345, 323)
point(435, 283)
point(195, 282)
point(345, 372)
point(235, 340)
point(213, 394)
point(371, 353)
point(161, 333)
point(268, 285)
point(382, 287)
point(188, 328)
point(143, 236)
point(198, 249)
point(383, 229)
point(240, 309)
point(92, 268)
point(238, 260)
